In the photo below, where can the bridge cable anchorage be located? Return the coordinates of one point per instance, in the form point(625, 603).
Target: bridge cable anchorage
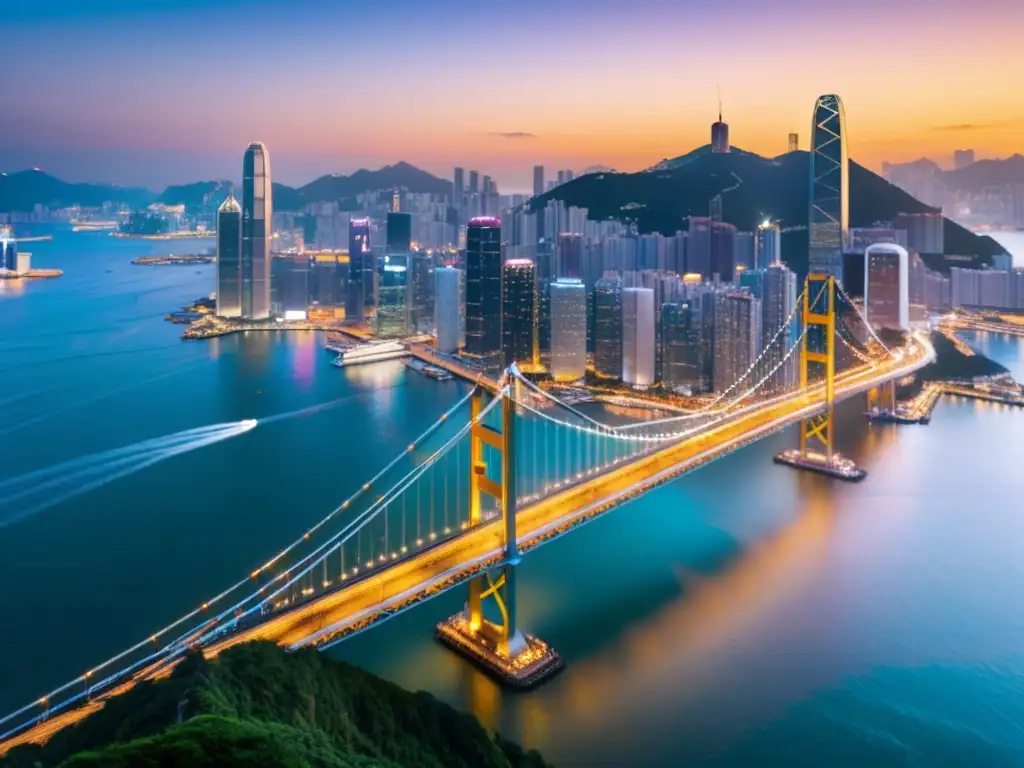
point(179, 644)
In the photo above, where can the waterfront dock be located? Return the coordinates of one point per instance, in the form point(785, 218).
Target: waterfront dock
point(838, 466)
point(919, 409)
point(428, 355)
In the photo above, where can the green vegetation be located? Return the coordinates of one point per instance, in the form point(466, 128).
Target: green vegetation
point(258, 705)
point(752, 187)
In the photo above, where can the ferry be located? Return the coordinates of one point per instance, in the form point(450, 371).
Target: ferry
point(374, 352)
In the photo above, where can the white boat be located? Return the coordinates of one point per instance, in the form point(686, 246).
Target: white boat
point(374, 352)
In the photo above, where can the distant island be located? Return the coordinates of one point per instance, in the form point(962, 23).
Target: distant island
point(257, 705)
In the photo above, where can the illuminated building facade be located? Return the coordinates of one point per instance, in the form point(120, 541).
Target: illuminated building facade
point(360, 261)
point(448, 315)
point(719, 135)
point(568, 329)
point(518, 308)
point(538, 180)
point(737, 336)
point(887, 286)
point(608, 327)
point(829, 215)
point(257, 213)
point(483, 288)
point(9, 250)
point(769, 244)
point(638, 353)
point(681, 348)
point(229, 258)
point(778, 301)
point(392, 317)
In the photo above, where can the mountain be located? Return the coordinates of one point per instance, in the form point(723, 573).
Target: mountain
point(398, 176)
point(976, 177)
point(198, 195)
point(24, 190)
point(752, 188)
point(258, 706)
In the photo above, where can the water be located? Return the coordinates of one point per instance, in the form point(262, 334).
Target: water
point(744, 615)
point(1012, 242)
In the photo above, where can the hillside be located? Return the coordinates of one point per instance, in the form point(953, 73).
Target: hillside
point(978, 176)
point(258, 706)
point(24, 190)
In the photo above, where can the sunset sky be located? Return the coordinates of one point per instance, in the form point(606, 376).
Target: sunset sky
point(154, 93)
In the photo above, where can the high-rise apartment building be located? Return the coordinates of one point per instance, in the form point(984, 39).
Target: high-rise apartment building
point(925, 231)
point(638, 337)
point(779, 321)
point(723, 238)
point(570, 255)
point(538, 180)
point(737, 337)
point(698, 247)
point(459, 186)
point(608, 327)
point(518, 311)
point(448, 315)
point(568, 329)
point(963, 158)
point(829, 216)
point(544, 259)
point(681, 348)
point(361, 270)
point(421, 286)
point(399, 234)
point(257, 214)
point(769, 244)
point(483, 289)
point(474, 182)
point(887, 286)
point(229, 258)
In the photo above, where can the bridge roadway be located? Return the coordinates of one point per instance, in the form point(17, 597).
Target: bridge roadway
point(335, 615)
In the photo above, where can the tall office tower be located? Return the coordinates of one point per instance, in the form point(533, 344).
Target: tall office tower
point(794, 142)
point(257, 214)
point(561, 177)
point(829, 214)
point(737, 337)
point(681, 349)
point(722, 237)
point(706, 298)
point(538, 180)
point(9, 252)
point(887, 286)
point(753, 283)
point(963, 158)
point(474, 182)
point(360, 262)
point(744, 253)
point(570, 255)
point(608, 327)
point(448, 314)
point(778, 302)
point(638, 337)
point(568, 329)
point(569, 175)
point(392, 318)
point(229, 258)
point(925, 231)
point(459, 186)
point(698, 247)
point(422, 285)
point(485, 186)
point(483, 290)
point(518, 311)
point(719, 134)
point(545, 261)
point(399, 239)
point(769, 244)
point(294, 293)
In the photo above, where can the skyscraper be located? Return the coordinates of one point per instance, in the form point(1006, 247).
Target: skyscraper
point(448, 315)
point(778, 300)
point(459, 186)
point(257, 213)
point(9, 250)
point(518, 308)
point(483, 289)
point(399, 233)
point(392, 318)
point(360, 261)
point(719, 134)
point(723, 236)
point(638, 337)
point(737, 337)
point(769, 244)
point(570, 255)
point(963, 158)
point(681, 349)
point(829, 215)
point(568, 329)
point(545, 261)
point(887, 286)
point(698, 247)
point(474, 182)
point(538, 180)
point(608, 327)
point(422, 286)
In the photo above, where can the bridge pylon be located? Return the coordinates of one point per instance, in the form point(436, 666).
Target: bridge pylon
point(817, 451)
point(497, 645)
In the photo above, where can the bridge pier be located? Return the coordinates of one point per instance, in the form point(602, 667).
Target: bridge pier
point(816, 430)
point(882, 399)
point(497, 645)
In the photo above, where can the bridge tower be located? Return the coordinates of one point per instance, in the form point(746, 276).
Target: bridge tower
point(498, 647)
point(817, 451)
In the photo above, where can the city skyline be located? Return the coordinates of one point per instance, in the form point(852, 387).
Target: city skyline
point(613, 110)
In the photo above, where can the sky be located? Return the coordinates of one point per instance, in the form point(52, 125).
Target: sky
point(153, 92)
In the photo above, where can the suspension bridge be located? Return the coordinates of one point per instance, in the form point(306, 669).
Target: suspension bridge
point(496, 476)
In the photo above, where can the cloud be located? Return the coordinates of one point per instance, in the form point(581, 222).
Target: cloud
point(513, 134)
point(966, 127)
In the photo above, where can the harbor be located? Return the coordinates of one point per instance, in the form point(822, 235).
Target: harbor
point(837, 466)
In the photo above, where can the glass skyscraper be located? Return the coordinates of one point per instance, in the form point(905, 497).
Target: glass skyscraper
point(568, 329)
point(360, 260)
point(392, 295)
point(829, 216)
point(229, 258)
point(518, 308)
point(778, 301)
point(483, 289)
point(608, 327)
point(257, 212)
point(681, 347)
point(448, 317)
